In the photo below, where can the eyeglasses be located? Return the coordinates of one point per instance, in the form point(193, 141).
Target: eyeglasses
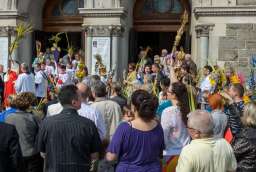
point(193, 129)
point(190, 128)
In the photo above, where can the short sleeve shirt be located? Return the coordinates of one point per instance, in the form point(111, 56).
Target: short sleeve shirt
point(68, 141)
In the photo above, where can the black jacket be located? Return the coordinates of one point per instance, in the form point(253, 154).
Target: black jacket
point(234, 113)
point(244, 145)
point(2, 86)
point(10, 152)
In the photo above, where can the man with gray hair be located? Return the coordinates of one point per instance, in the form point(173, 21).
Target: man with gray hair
point(89, 112)
point(191, 64)
point(110, 110)
point(25, 81)
point(204, 153)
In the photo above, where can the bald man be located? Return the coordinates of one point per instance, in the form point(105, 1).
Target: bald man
point(89, 112)
point(204, 153)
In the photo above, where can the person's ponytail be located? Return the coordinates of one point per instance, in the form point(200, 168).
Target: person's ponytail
point(145, 104)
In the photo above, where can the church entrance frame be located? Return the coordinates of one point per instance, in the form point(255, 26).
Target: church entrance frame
point(54, 23)
point(163, 23)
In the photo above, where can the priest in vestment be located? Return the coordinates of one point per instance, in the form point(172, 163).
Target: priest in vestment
point(9, 80)
point(9, 89)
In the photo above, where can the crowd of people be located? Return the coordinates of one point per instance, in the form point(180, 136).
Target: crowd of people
point(164, 116)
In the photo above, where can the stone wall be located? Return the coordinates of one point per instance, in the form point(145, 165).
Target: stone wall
point(246, 2)
point(237, 47)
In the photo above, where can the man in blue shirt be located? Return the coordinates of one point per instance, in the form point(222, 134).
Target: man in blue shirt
point(9, 110)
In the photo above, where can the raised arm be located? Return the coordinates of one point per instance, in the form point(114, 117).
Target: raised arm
point(172, 76)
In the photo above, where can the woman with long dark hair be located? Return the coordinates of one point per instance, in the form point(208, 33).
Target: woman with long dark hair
point(174, 122)
point(138, 145)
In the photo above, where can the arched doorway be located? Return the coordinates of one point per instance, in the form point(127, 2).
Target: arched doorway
point(61, 16)
point(155, 23)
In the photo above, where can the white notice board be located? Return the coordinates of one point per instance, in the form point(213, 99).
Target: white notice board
point(4, 52)
point(101, 45)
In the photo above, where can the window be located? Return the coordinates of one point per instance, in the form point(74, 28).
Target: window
point(67, 7)
point(161, 6)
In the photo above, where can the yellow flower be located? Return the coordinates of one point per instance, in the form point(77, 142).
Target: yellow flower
point(80, 65)
point(80, 74)
point(246, 99)
point(235, 79)
point(212, 81)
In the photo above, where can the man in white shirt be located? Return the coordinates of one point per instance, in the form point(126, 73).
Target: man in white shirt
point(49, 69)
point(204, 153)
point(206, 83)
point(205, 86)
point(25, 81)
point(90, 112)
point(40, 81)
point(110, 110)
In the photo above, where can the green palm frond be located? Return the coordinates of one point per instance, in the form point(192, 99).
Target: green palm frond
point(56, 38)
point(21, 30)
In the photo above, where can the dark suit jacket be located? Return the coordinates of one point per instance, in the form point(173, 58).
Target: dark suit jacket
point(10, 152)
point(1, 88)
point(1, 83)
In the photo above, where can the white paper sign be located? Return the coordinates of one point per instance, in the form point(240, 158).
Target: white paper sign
point(101, 45)
point(4, 52)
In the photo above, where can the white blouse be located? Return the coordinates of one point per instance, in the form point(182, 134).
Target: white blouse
point(176, 135)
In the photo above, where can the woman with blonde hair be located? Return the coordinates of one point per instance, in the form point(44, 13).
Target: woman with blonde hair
point(244, 143)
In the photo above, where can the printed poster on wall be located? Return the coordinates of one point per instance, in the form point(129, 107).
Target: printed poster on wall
point(101, 45)
point(4, 52)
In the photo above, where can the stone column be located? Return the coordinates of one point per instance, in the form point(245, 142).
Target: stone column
point(91, 32)
point(116, 61)
point(88, 3)
point(89, 53)
point(112, 32)
point(88, 49)
point(7, 35)
point(203, 36)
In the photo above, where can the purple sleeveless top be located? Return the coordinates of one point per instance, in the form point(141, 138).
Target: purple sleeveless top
point(137, 151)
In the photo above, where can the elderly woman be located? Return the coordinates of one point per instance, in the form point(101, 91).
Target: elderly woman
point(27, 126)
point(244, 144)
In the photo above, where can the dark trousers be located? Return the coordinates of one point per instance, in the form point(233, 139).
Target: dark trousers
point(33, 163)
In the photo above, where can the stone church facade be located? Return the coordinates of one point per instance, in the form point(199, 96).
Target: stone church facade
point(219, 31)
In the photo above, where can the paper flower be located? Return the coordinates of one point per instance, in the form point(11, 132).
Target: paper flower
point(235, 79)
point(60, 82)
point(246, 99)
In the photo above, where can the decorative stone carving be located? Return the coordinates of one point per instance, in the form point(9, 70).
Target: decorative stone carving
point(115, 12)
point(98, 30)
point(106, 30)
point(5, 30)
point(203, 30)
point(117, 31)
point(116, 3)
point(8, 5)
point(225, 11)
point(12, 4)
point(99, 4)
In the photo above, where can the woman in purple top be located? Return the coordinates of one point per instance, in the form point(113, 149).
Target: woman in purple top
point(138, 145)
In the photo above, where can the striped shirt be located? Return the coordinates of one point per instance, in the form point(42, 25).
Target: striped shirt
point(68, 141)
